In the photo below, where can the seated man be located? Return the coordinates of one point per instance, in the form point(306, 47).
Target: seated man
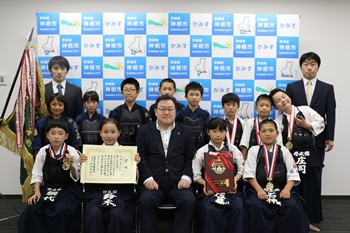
point(166, 149)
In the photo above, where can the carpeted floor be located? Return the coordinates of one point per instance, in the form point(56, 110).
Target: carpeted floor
point(336, 213)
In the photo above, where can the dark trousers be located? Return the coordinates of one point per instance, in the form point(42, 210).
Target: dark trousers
point(149, 200)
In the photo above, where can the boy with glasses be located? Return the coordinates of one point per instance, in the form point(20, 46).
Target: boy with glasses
point(130, 115)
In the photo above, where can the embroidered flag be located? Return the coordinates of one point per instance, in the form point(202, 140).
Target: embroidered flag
point(16, 132)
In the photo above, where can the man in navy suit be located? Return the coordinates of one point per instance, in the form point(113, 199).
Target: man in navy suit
point(59, 67)
point(322, 101)
point(165, 171)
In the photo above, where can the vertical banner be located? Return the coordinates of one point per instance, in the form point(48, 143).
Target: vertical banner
point(248, 54)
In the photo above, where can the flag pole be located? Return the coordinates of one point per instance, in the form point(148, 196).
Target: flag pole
point(28, 39)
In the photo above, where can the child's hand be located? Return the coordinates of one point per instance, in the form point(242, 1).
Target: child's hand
point(301, 122)
point(285, 194)
point(234, 189)
point(209, 193)
point(34, 199)
point(137, 158)
point(82, 158)
point(69, 159)
point(262, 195)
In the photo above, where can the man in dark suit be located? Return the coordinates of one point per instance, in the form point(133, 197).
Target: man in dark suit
point(166, 149)
point(319, 96)
point(59, 67)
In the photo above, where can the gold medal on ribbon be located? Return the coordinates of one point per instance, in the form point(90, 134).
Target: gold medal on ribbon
point(269, 185)
point(289, 144)
point(65, 166)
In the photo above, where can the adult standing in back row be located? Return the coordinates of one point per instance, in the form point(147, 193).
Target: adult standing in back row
point(59, 67)
point(320, 97)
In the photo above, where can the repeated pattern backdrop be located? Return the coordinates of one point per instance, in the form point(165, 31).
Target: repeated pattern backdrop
point(248, 54)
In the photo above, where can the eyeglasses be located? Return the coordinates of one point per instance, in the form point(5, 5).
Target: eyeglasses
point(163, 110)
point(129, 90)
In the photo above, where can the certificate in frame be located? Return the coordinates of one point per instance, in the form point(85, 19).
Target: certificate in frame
point(109, 164)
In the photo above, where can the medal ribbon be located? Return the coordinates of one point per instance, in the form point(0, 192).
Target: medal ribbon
point(256, 122)
point(231, 139)
point(222, 156)
point(290, 119)
point(62, 153)
point(270, 168)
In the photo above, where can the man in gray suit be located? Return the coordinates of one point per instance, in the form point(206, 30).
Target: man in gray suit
point(59, 67)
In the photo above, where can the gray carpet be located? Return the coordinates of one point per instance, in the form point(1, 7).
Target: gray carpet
point(336, 213)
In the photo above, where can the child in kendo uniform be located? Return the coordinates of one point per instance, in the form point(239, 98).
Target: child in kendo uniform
point(250, 135)
point(57, 106)
point(55, 205)
point(219, 212)
point(130, 115)
point(117, 214)
point(272, 204)
point(193, 115)
point(300, 125)
point(234, 125)
point(89, 122)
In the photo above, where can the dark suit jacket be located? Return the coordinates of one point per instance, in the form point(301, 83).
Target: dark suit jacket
point(323, 102)
point(73, 96)
point(153, 161)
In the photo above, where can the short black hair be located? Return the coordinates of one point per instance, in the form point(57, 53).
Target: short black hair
point(91, 95)
point(264, 97)
point(216, 123)
point(310, 55)
point(59, 60)
point(57, 123)
point(131, 81)
point(268, 121)
point(165, 97)
point(230, 97)
point(59, 98)
point(194, 86)
point(167, 80)
point(109, 120)
point(273, 92)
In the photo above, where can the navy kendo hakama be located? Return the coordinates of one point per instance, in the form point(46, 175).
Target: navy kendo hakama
point(275, 215)
point(59, 208)
point(109, 208)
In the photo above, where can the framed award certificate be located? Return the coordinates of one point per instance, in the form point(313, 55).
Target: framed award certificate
point(219, 171)
point(109, 164)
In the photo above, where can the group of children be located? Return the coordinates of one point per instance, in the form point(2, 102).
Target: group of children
point(262, 152)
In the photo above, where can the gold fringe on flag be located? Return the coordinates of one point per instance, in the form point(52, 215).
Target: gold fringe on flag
point(16, 132)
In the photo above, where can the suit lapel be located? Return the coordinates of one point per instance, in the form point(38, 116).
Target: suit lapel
point(48, 90)
point(157, 139)
point(175, 133)
point(301, 90)
point(317, 92)
point(68, 91)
